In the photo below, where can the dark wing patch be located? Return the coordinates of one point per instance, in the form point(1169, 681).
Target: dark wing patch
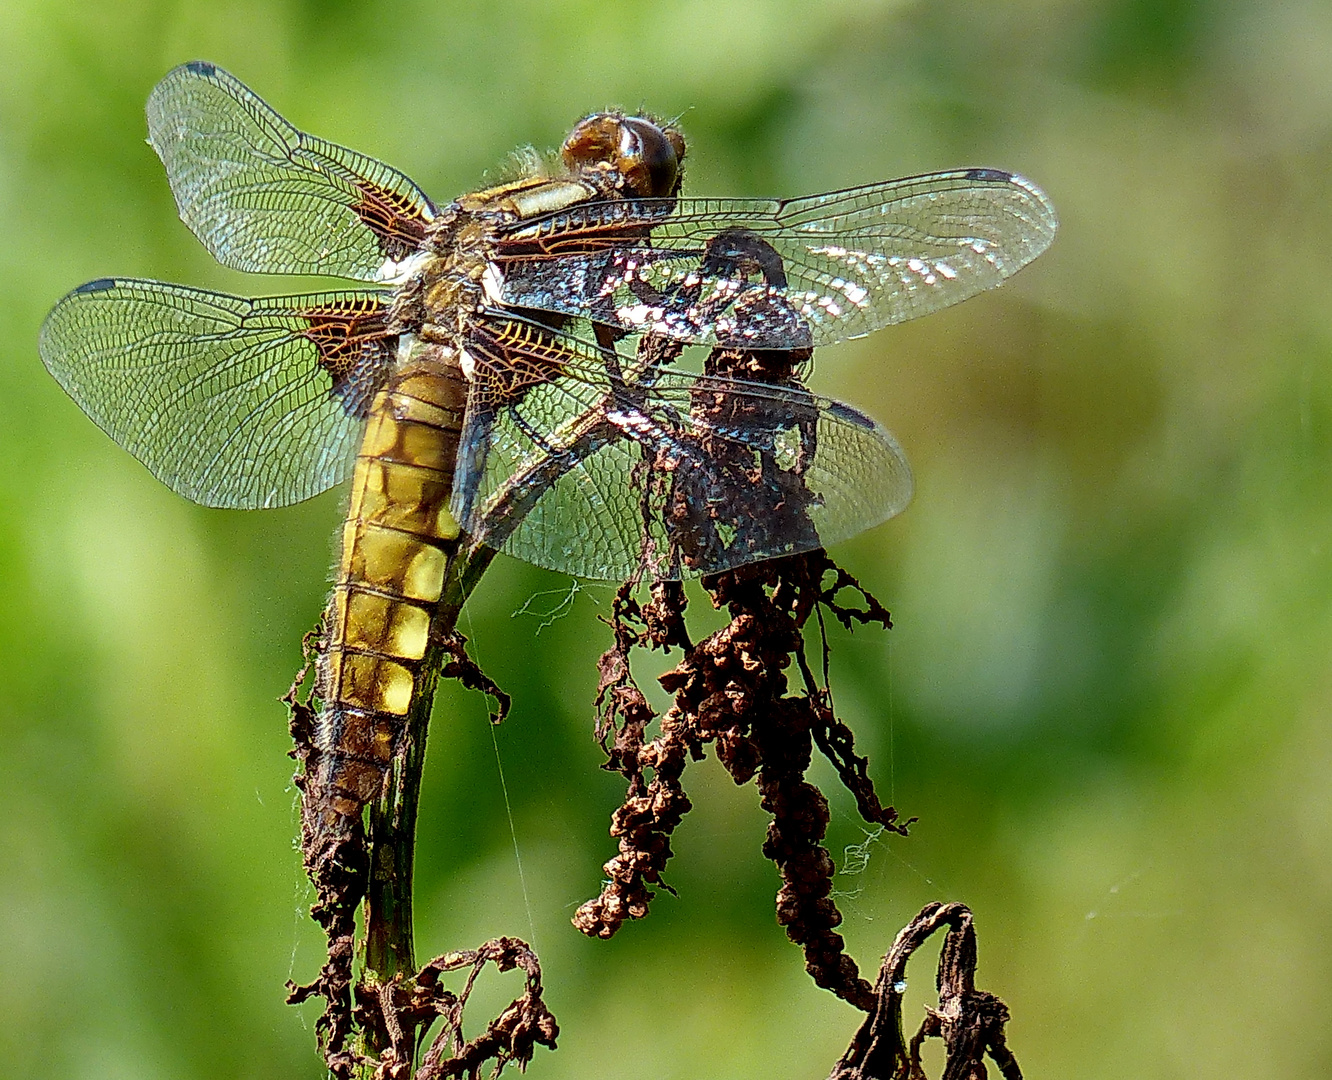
point(229, 401)
point(265, 197)
point(996, 175)
point(850, 415)
point(354, 348)
point(398, 223)
point(511, 356)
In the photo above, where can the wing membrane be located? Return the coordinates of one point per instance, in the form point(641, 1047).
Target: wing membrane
point(231, 402)
point(267, 198)
point(598, 472)
point(781, 274)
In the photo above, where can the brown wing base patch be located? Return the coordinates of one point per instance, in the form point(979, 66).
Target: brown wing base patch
point(512, 357)
point(356, 347)
point(397, 221)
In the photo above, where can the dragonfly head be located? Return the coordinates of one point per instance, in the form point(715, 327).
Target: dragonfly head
point(632, 155)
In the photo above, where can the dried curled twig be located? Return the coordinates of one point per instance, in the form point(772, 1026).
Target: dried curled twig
point(731, 691)
point(398, 1009)
point(969, 1021)
point(468, 672)
point(337, 864)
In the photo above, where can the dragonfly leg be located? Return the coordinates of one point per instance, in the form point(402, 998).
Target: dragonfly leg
point(533, 435)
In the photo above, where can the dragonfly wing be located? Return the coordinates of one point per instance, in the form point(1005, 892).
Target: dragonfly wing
point(601, 473)
point(231, 402)
point(267, 198)
point(780, 274)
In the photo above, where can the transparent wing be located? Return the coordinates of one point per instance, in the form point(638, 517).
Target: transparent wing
point(265, 197)
point(600, 472)
point(229, 401)
point(788, 274)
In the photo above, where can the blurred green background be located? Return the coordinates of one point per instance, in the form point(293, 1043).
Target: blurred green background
point(1108, 691)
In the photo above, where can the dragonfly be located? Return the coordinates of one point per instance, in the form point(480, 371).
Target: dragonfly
point(505, 375)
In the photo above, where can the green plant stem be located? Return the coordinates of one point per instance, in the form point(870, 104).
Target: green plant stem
point(389, 947)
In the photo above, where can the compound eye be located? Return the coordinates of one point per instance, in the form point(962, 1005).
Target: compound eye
point(649, 156)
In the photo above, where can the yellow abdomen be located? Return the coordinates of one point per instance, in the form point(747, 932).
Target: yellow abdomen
point(396, 546)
